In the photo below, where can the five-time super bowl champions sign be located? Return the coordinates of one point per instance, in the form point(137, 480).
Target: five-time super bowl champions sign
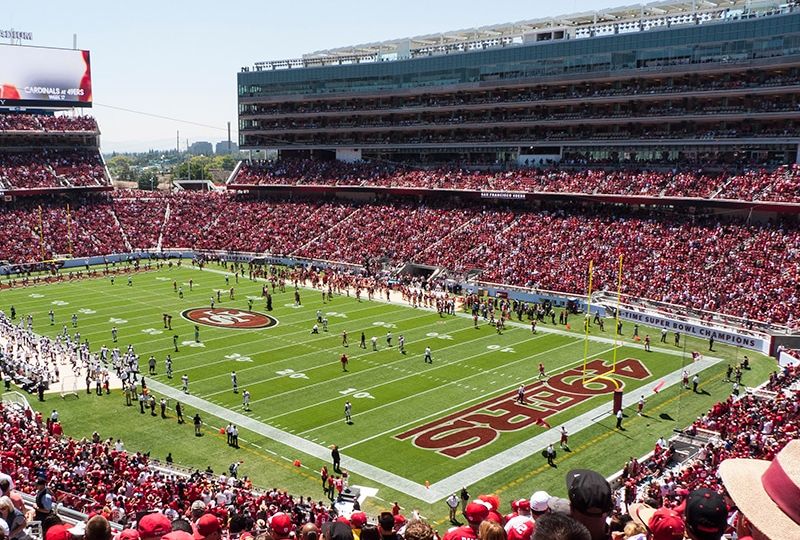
point(42, 76)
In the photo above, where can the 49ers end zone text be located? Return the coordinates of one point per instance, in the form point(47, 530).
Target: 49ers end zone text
point(460, 433)
point(229, 318)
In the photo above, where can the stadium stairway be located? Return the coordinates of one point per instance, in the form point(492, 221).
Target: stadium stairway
point(464, 225)
point(234, 173)
point(121, 229)
point(324, 232)
point(722, 186)
point(163, 226)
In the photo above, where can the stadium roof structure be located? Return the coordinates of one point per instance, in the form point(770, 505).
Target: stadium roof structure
point(619, 20)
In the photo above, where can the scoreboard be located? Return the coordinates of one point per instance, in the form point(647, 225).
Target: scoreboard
point(44, 77)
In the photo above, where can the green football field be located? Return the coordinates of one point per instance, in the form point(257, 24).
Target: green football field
point(418, 422)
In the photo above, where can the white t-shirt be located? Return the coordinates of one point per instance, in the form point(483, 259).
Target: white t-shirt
point(7, 477)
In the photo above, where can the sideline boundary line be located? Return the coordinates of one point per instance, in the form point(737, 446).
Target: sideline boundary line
point(469, 475)
point(442, 488)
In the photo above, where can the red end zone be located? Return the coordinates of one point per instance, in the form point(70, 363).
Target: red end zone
point(229, 318)
point(462, 432)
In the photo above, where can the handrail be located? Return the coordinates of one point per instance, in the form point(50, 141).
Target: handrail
point(723, 321)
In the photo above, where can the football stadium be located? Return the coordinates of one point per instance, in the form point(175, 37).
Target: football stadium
point(536, 280)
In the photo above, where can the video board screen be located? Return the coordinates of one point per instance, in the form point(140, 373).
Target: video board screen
point(39, 76)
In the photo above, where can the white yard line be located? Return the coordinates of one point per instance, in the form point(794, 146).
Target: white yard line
point(476, 472)
point(443, 488)
point(467, 476)
point(534, 445)
point(438, 388)
point(295, 357)
point(382, 366)
point(298, 443)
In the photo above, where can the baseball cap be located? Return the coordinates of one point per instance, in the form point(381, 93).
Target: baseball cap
point(706, 514)
point(207, 525)
point(523, 504)
point(155, 524)
point(125, 534)
point(56, 532)
point(666, 524)
point(661, 523)
point(476, 512)
point(493, 501)
point(539, 500)
point(358, 519)
point(281, 523)
point(399, 520)
point(589, 492)
point(198, 505)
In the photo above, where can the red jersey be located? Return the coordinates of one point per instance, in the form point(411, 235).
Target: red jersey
point(464, 532)
point(520, 528)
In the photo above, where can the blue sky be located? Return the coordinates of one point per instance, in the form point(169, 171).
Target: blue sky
point(179, 58)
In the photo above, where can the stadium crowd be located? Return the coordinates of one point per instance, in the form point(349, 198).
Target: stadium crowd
point(540, 113)
point(50, 168)
point(661, 498)
point(756, 425)
point(778, 184)
point(80, 168)
point(554, 131)
point(93, 475)
point(578, 91)
point(282, 228)
point(666, 257)
point(89, 227)
point(46, 123)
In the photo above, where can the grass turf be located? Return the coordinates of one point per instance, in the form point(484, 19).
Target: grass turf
point(396, 391)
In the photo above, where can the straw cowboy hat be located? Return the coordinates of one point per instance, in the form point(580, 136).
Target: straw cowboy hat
point(767, 493)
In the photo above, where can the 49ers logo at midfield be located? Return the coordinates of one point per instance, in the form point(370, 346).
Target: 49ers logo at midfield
point(229, 318)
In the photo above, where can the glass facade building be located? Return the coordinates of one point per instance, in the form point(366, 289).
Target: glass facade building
point(732, 82)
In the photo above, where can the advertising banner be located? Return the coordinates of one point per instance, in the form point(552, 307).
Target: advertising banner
point(737, 338)
point(39, 76)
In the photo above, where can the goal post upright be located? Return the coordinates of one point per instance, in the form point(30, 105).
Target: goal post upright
point(616, 315)
point(607, 375)
point(586, 322)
